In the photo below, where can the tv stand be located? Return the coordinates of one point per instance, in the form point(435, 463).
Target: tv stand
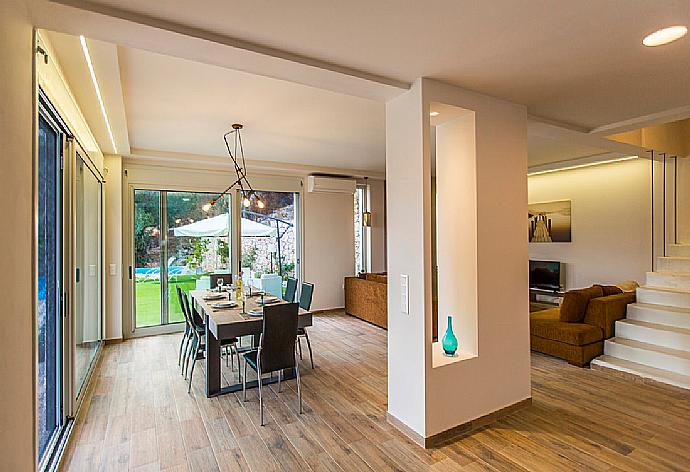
point(549, 298)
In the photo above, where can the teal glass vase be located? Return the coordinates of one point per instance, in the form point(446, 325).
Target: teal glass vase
point(449, 341)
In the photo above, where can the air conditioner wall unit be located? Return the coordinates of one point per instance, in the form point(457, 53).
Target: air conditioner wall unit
point(322, 184)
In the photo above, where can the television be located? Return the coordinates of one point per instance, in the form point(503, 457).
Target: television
point(546, 275)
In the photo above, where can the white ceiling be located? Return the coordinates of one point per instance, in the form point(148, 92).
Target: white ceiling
point(182, 106)
point(578, 62)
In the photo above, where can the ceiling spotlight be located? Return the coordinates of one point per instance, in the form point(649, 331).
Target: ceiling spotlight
point(433, 113)
point(665, 36)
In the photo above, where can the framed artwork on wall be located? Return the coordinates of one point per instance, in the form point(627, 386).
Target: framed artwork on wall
point(549, 222)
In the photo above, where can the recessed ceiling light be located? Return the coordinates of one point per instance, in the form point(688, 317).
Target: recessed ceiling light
point(433, 113)
point(665, 36)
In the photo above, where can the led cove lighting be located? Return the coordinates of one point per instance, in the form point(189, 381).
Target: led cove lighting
point(665, 36)
point(579, 166)
point(85, 48)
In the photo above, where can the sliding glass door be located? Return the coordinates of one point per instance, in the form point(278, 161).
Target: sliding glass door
point(68, 277)
point(176, 243)
point(49, 286)
point(270, 248)
point(88, 269)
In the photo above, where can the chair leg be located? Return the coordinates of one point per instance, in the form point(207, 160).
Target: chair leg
point(311, 356)
point(227, 361)
point(299, 387)
point(261, 398)
point(188, 354)
point(299, 346)
point(239, 364)
point(179, 355)
point(244, 383)
point(191, 373)
point(183, 353)
point(280, 374)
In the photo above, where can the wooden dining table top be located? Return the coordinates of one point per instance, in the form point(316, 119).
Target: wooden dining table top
point(220, 318)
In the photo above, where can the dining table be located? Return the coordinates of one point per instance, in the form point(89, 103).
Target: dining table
point(223, 323)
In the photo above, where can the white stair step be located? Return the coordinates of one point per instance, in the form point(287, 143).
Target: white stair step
point(659, 314)
point(663, 296)
point(669, 279)
point(678, 250)
point(641, 370)
point(652, 333)
point(673, 264)
point(650, 355)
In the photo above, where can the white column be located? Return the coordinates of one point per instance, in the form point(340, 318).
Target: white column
point(482, 198)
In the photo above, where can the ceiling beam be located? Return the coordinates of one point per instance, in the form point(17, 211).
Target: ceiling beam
point(674, 114)
point(156, 35)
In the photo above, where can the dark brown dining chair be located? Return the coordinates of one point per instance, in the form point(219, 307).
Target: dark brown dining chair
point(305, 297)
point(276, 350)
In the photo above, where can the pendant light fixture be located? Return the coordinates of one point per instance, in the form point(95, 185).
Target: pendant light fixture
point(366, 214)
point(240, 168)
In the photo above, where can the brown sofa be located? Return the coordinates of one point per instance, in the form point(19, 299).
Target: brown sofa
point(578, 343)
point(366, 297)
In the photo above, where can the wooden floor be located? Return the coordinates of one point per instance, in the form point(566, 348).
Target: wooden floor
point(141, 418)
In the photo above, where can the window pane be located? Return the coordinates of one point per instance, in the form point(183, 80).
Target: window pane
point(359, 231)
point(147, 258)
point(87, 322)
point(269, 240)
point(48, 307)
point(198, 244)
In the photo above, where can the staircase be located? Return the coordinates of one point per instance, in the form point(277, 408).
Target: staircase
point(654, 340)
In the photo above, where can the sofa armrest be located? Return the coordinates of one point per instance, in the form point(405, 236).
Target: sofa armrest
point(605, 311)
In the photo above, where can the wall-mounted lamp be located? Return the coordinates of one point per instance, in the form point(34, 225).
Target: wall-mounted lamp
point(366, 214)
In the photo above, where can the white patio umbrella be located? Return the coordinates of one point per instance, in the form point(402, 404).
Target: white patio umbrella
point(217, 226)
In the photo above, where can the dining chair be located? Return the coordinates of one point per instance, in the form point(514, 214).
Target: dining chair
point(198, 347)
point(290, 290)
point(305, 297)
point(187, 330)
point(276, 351)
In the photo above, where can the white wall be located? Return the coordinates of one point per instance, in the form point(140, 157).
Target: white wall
point(611, 221)
point(113, 247)
point(17, 334)
point(408, 197)
point(329, 246)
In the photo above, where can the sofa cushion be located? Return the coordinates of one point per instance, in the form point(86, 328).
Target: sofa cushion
point(576, 334)
point(575, 303)
point(382, 279)
point(609, 289)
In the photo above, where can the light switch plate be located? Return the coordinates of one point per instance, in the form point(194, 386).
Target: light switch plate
point(404, 294)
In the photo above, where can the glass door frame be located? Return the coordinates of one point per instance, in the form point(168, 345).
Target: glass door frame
point(77, 152)
point(68, 403)
point(132, 331)
point(143, 176)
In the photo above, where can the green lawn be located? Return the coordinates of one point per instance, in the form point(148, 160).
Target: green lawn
point(148, 299)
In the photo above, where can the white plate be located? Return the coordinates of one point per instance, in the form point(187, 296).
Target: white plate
point(271, 299)
point(224, 305)
point(213, 296)
point(256, 313)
